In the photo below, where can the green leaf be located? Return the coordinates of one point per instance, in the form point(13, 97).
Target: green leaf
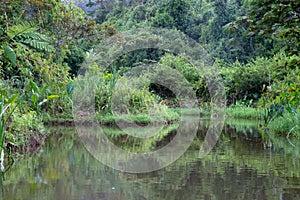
point(34, 99)
point(10, 54)
point(34, 87)
point(70, 88)
point(20, 29)
point(55, 96)
point(43, 90)
point(10, 103)
point(291, 109)
point(39, 45)
point(35, 36)
point(4, 110)
point(12, 99)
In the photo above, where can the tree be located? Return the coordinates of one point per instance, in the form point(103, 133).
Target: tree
point(279, 18)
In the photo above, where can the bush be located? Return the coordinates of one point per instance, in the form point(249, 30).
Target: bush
point(190, 73)
point(120, 98)
point(23, 127)
point(250, 81)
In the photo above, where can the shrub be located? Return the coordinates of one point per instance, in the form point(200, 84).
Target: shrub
point(261, 75)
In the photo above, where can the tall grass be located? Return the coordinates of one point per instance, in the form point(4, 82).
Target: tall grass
point(161, 114)
point(288, 124)
point(244, 112)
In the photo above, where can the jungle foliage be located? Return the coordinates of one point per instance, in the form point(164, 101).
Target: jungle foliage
point(254, 45)
point(37, 44)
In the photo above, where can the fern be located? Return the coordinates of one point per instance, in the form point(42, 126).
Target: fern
point(37, 41)
point(35, 36)
point(20, 29)
point(25, 33)
point(40, 45)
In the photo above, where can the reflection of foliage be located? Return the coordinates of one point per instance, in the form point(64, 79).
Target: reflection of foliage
point(230, 166)
point(134, 144)
point(289, 146)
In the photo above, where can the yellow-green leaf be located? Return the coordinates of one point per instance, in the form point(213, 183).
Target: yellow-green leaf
point(55, 96)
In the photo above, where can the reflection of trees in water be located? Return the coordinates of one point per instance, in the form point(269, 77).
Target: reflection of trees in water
point(244, 133)
point(232, 183)
point(1, 185)
point(205, 180)
point(63, 169)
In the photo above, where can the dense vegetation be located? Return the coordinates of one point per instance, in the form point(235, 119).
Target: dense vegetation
point(255, 46)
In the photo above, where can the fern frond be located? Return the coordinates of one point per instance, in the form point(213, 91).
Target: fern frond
point(39, 45)
point(25, 33)
point(35, 36)
point(20, 29)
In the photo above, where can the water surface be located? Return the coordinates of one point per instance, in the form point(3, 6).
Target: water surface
point(241, 166)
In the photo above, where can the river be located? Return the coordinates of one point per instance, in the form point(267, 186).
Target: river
point(241, 166)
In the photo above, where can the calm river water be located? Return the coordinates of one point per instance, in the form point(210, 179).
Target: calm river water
point(241, 166)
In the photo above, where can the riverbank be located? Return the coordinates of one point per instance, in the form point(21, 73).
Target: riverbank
point(287, 124)
point(237, 121)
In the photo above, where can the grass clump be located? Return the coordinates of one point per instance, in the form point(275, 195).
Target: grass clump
point(244, 112)
point(162, 114)
point(288, 124)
